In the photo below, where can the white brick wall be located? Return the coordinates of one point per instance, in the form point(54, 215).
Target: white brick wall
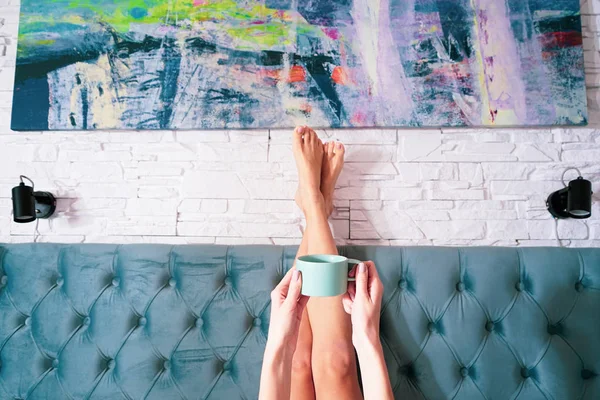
point(406, 187)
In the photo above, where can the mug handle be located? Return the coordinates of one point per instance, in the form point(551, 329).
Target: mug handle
point(354, 262)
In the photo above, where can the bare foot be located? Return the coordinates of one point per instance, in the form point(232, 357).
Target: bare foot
point(333, 163)
point(308, 152)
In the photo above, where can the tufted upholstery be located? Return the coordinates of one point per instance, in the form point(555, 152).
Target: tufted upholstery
point(190, 322)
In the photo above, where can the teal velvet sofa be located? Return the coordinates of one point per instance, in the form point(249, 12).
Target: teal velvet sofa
point(190, 322)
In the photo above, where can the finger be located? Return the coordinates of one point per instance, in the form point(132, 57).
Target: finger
point(352, 290)
point(352, 272)
point(375, 285)
point(283, 286)
point(347, 303)
point(362, 280)
point(293, 294)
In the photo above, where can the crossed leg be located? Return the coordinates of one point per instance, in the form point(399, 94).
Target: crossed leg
point(324, 364)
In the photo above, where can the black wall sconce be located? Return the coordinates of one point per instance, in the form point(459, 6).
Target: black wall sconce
point(574, 201)
point(29, 205)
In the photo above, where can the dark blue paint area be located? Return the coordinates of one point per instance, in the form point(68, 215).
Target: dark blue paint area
point(566, 5)
point(456, 23)
point(85, 107)
point(279, 4)
point(168, 78)
point(138, 12)
point(31, 104)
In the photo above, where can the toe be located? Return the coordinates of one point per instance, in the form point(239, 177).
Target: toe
point(330, 149)
point(339, 148)
point(309, 135)
point(297, 136)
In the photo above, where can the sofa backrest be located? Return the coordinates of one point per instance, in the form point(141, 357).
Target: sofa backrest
point(170, 322)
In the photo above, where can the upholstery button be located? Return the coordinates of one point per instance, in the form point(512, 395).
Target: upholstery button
point(199, 323)
point(525, 373)
point(407, 370)
point(116, 282)
point(27, 321)
point(520, 286)
point(55, 363)
point(257, 322)
point(464, 372)
point(460, 287)
point(227, 281)
point(142, 321)
point(402, 284)
point(587, 374)
point(579, 286)
point(172, 282)
point(3, 280)
point(489, 326)
point(226, 366)
point(60, 281)
point(86, 321)
point(167, 365)
point(431, 327)
point(110, 364)
point(554, 329)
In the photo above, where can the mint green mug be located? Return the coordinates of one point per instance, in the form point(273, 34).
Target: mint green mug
point(324, 275)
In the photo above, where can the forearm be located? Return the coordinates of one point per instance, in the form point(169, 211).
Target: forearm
point(375, 378)
point(276, 374)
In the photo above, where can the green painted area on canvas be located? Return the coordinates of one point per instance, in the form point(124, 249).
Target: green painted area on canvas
point(249, 25)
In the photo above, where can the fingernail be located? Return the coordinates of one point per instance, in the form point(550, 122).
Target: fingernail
point(295, 275)
point(361, 267)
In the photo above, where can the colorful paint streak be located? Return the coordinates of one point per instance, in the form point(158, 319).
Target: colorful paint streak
point(218, 64)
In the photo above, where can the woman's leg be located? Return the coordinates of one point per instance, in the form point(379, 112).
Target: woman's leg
point(303, 387)
point(308, 151)
point(302, 379)
point(333, 359)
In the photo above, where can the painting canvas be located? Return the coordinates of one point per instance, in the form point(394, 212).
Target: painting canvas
point(219, 64)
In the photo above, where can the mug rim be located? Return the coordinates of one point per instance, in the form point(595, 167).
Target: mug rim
point(324, 258)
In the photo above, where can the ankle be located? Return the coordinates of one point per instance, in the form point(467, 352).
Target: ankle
point(314, 204)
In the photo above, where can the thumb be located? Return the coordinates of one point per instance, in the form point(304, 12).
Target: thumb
point(293, 294)
point(362, 280)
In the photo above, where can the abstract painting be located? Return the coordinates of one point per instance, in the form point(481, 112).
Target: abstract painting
point(219, 64)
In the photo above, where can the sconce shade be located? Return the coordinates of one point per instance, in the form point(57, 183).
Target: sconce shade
point(574, 201)
point(23, 203)
point(580, 198)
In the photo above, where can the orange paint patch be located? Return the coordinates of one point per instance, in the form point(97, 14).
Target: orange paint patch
point(297, 74)
point(341, 76)
point(269, 76)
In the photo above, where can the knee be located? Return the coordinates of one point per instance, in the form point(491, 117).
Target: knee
point(302, 364)
point(337, 364)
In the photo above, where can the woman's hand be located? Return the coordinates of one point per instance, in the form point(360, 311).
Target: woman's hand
point(287, 306)
point(363, 303)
